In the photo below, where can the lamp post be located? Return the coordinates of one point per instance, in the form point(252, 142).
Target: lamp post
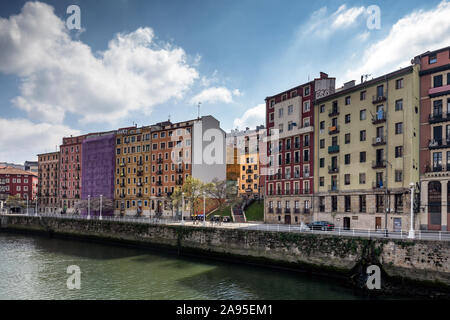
point(36, 210)
point(89, 207)
point(27, 203)
point(411, 234)
point(182, 208)
point(101, 196)
point(204, 208)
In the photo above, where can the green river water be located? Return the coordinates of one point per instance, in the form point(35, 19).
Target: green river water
point(33, 267)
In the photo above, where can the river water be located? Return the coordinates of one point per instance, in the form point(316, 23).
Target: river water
point(33, 267)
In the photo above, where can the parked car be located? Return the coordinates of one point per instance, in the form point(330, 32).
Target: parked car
point(215, 219)
point(321, 225)
point(226, 219)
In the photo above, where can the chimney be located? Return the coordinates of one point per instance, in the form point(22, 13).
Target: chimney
point(349, 84)
point(323, 75)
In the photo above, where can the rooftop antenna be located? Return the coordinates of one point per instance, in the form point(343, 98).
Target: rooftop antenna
point(198, 106)
point(169, 117)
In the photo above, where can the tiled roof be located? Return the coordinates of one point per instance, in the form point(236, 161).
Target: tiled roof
point(10, 170)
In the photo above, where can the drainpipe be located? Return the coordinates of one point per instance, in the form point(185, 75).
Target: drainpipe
point(411, 234)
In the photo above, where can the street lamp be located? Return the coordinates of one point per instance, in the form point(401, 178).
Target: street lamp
point(204, 208)
point(27, 202)
point(411, 234)
point(36, 210)
point(89, 207)
point(182, 208)
point(101, 196)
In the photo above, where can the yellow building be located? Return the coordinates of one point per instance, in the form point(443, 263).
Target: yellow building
point(367, 152)
point(132, 176)
point(249, 174)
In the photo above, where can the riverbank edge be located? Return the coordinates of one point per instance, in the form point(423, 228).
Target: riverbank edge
point(351, 277)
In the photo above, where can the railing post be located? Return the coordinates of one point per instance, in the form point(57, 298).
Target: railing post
point(353, 230)
point(440, 235)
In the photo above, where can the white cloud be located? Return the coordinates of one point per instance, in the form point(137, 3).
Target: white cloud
point(323, 25)
point(22, 140)
point(60, 75)
point(252, 117)
point(414, 34)
point(215, 95)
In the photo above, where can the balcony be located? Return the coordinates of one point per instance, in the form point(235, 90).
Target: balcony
point(378, 141)
point(278, 210)
point(122, 195)
point(379, 98)
point(296, 191)
point(139, 195)
point(179, 182)
point(270, 210)
point(249, 180)
point(179, 170)
point(333, 149)
point(159, 183)
point(333, 169)
point(159, 172)
point(249, 171)
point(438, 117)
point(139, 184)
point(306, 210)
point(378, 185)
point(333, 188)
point(333, 112)
point(378, 164)
point(123, 164)
point(379, 117)
point(122, 174)
point(439, 90)
point(287, 210)
point(296, 210)
point(159, 160)
point(122, 185)
point(438, 143)
point(140, 173)
point(306, 191)
point(333, 130)
point(140, 163)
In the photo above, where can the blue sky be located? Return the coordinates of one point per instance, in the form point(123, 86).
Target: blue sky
point(229, 55)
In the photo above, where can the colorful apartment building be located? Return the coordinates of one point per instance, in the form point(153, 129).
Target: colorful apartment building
point(435, 139)
point(290, 172)
point(367, 154)
point(17, 182)
point(70, 167)
point(48, 173)
point(152, 161)
point(98, 163)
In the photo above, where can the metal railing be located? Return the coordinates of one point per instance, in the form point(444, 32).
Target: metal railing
point(336, 231)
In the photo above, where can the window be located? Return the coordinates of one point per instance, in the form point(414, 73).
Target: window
point(272, 102)
point(398, 203)
point(448, 78)
point(362, 203)
point(399, 151)
point(362, 95)
point(347, 100)
point(347, 118)
point(322, 143)
point(362, 178)
point(347, 179)
point(348, 204)
point(399, 83)
point(290, 109)
point(280, 113)
point(347, 158)
point(399, 105)
point(399, 128)
point(321, 181)
point(322, 125)
point(362, 135)
point(362, 156)
point(322, 108)
point(293, 94)
point(398, 175)
point(347, 138)
point(437, 81)
point(362, 114)
point(306, 91)
point(306, 106)
point(432, 58)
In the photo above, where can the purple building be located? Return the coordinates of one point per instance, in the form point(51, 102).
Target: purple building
point(98, 163)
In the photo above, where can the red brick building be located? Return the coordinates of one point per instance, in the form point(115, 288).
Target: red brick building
point(435, 139)
point(70, 171)
point(290, 171)
point(18, 182)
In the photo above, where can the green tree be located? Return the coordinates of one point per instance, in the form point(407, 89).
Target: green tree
point(193, 191)
point(221, 192)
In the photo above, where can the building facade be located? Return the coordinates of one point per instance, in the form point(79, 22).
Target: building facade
point(70, 168)
point(367, 138)
point(435, 139)
point(48, 172)
point(98, 162)
point(17, 182)
point(289, 174)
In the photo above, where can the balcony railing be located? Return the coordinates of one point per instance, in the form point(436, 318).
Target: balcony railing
point(333, 129)
point(278, 210)
point(159, 172)
point(378, 184)
point(297, 210)
point(333, 149)
point(378, 141)
point(287, 210)
point(179, 182)
point(249, 180)
point(377, 164)
point(379, 117)
point(179, 170)
point(270, 210)
point(159, 160)
point(333, 169)
point(379, 98)
point(438, 117)
point(438, 143)
point(249, 171)
point(333, 188)
point(333, 112)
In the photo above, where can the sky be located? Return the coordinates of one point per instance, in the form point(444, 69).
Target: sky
point(142, 62)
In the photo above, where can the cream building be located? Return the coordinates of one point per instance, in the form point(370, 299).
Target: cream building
point(367, 152)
